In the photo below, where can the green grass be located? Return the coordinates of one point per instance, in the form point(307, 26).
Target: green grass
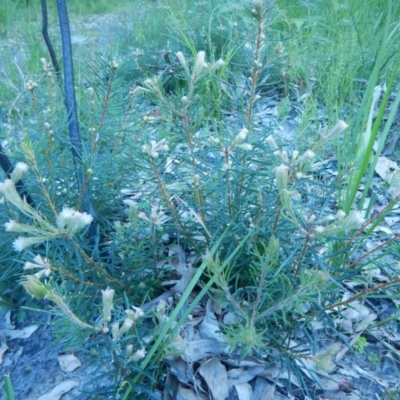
point(259, 223)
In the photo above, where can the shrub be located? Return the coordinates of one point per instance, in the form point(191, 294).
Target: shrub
point(244, 218)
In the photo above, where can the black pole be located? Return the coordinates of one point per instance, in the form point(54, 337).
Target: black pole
point(73, 122)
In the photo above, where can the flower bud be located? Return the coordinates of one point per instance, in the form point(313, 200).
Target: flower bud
point(336, 131)
point(282, 154)
point(199, 65)
point(139, 354)
point(36, 288)
point(128, 323)
point(182, 60)
point(282, 176)
point(107, 298)
point(115, 331)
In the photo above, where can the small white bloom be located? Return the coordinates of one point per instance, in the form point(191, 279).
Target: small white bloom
point(241, 136)
point(139, 354)
point(44, 265)
point(319, 229)
point(129, 350)
point(152, 84)
point(161, 307)
point(126, 326)
point(282, 154)
point(340, 214)
point(307, 156)
point(245, 146)
point(19, 171)
point(157, 216)
point(131, 203)
point(139, 313)
point(218, 64)
point(353, 221)
point(215, 141)
point(226, 166)
point(271, 142)
point(31, 85)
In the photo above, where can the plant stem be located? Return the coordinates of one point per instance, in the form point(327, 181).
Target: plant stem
point(170, 205)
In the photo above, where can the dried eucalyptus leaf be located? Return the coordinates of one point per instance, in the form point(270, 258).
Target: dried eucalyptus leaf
point(216, 377)
point(244, 391)
point(59, 390)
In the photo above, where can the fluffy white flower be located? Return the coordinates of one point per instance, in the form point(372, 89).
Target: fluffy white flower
point(155, 148)
point(73, 221)
point(157, 216)
point(44, 265)
point(10, 193)
point(23, 242)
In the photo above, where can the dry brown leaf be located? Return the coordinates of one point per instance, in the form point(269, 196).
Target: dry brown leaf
point(349, 372)
point(278, 373)
point(395, 184)
point(24, 333)
point(263, 390)
point(209, 327)
point(249, 361)
point(243, 375)
point(244, 391)
point(373, 376)
point(340, 396)
point(59, 390)
point(385, 168)
point(183, 268)
point(388, 170)
point(188, 394)
point(7, 321)
point(68, 362)
point(201, 349)
point(335, 383)
point(353, 313)
point(215, 375)
point(324, 358)
point(392, 220)
point(362, 325)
